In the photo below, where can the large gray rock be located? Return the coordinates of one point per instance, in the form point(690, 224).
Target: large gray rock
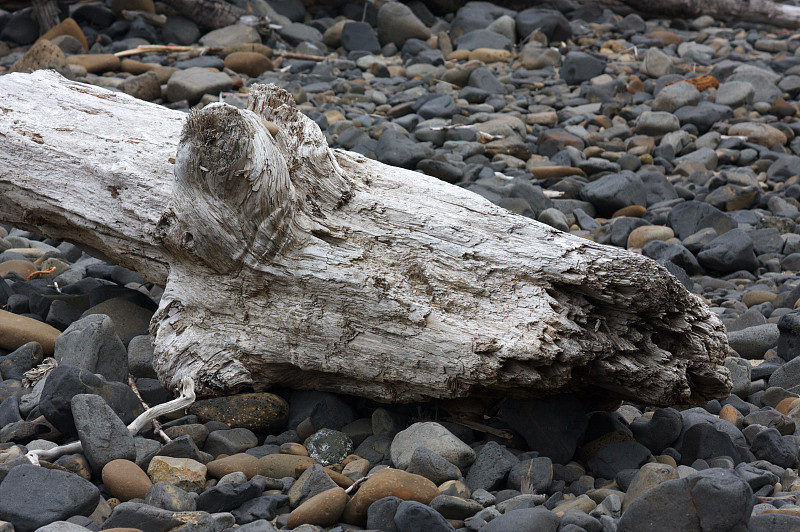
point(33, 496)
point(64, 382)
point(729, 252)
point(656, 123)
point(91, 343)
point(397, 23)
point(751, 343)
point(436, 438)
point(614, 191)
point(104, 437)
point(713, 499)
point(673, 97)
point(191, 84)
point(656, 63)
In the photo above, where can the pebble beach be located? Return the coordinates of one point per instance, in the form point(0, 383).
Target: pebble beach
point(674, 139)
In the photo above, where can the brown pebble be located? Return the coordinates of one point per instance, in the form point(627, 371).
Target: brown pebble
point(731, 415)
point(67, 27)
point(633, 211)
point(259, 412)
point(787, 405)
point(756, 297)
point(125, 480)
point(294, 448)
point(42, 55)
point(117, 6)
point(243, 462)
point(94, 63)
point(323, 509)
point(19, 266)
point(251, 63)
point(384, 483)
point(16, 330)
point(284, 465)
point(647, 233)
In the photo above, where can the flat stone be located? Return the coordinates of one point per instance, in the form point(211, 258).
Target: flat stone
point(259, 412)
point(231, 35)
point(191, 84)
point(284, 465)
point(33, 496)
point(230, 441)
point(762, 134)
point(251, 63)
point(94, 63)
point(21, 267)
point(647, 233)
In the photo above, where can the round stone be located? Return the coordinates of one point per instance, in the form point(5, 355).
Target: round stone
point(125, 480)
point(328, 446)
point(647, 233)
point(385, 483)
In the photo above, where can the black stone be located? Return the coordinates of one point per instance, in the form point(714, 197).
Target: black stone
point(33, 496)
point(550, 425)
point(64, 382)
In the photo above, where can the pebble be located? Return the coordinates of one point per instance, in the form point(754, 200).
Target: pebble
point(323, 509)
point(185, 473)
point(385, 483)
point(245, 463)
point(125, 480)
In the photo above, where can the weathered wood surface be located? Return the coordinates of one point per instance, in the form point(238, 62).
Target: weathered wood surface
point(289, 263)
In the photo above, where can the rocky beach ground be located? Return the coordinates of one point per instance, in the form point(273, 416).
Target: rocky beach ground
point(671, 138)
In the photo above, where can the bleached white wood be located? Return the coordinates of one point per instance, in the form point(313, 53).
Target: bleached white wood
point(292, 264)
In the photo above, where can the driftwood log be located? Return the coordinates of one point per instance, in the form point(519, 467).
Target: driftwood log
point(288, 263)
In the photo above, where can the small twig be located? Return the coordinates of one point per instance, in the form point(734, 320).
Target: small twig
point(186, 398)
point(148, 48)
point(357, 483)
point(154, 422)
point(293, 55)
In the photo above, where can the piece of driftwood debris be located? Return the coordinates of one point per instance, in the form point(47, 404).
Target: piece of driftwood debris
point(288, 263)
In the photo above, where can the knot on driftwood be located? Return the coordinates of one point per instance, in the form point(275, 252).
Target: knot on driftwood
point(246, 191)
